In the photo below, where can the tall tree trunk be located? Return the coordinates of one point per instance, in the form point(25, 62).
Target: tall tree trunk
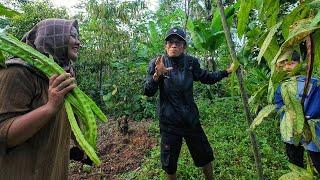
point(207, 66)
point(208, 5)
point(310, 57)
point(187, 10)
point(243, 92)
point(100, 82)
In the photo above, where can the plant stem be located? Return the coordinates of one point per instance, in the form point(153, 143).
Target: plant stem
point(243, 92)
point(310, 56)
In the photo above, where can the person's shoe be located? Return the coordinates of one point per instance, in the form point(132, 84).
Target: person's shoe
point(76, 154)
point(87, 161)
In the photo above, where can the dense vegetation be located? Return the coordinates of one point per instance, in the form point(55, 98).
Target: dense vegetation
point(225, 127)
point(119, 39)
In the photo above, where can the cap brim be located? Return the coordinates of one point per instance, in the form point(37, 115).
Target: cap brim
point(175, 34)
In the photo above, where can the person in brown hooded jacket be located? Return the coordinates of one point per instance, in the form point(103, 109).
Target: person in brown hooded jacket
point(34, 130)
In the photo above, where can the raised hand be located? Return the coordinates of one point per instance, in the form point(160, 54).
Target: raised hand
point(160, 68)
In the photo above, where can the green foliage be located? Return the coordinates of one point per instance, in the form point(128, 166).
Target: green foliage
point(257, 84)
point(267, 41)
point(205, 38)
point(122, 91)
point(265, 112)
point(33, 12)
point(297, 173)
point(313, 125)
point(7, 12)
point(316, 50)
point(292, 125)
point(269, 12)
point(128, 99)
point(2, 59)
point(299, 31)
point(209, 36)
point(243, 15)
point(113, 57)
point(225, 126)
point(314, 4)
point(297, 13)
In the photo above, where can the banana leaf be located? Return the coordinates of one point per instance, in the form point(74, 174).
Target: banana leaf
point(292, 125)
point(297, 173)
point(265, 112)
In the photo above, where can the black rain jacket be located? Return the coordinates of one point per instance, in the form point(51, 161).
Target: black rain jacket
point(176, 107)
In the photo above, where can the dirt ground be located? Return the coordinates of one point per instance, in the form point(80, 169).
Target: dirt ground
point(118, 153)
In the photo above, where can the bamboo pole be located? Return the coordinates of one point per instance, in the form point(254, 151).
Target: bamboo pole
point(243, 92)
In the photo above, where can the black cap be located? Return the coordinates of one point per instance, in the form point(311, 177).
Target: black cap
point(178, 32)
point(295, 56)
point(289, 56)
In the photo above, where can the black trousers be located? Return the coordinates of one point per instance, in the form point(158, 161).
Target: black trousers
point(295, 155)
point(198, 145)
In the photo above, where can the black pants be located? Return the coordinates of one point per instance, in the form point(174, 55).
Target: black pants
point(197, 143)
point(295, 155)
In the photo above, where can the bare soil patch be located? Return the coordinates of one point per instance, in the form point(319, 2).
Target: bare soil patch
point(118, 153)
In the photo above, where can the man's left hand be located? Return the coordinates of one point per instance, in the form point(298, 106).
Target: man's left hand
point(233, 67)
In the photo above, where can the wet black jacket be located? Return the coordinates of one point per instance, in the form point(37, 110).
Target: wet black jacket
point(176, 108)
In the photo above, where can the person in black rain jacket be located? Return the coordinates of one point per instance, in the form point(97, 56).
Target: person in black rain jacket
point(174, 73)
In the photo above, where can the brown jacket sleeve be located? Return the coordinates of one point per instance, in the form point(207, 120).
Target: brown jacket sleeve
point(17, 91)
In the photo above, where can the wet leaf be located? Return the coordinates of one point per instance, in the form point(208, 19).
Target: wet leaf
point(294, 176)
point(265, 112)
point(315, 20)
point(291, 126)
point(316, 48)
point(256, 97)
point(314, 4)
point(269, 12)
point(313, 124)
point(300, 29)
point(243, 16)
point(299, 12)
point(267, 41)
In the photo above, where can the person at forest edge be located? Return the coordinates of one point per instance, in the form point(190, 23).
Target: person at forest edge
point(34, 129)
point(311, 109)
point(174, 73)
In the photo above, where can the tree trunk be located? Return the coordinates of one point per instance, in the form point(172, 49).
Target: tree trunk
point(243, 92)
point(100, 82)
point(187, 10)
point(208, 5)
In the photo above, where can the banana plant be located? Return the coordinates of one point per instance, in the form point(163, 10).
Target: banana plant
point(209, 36)
point(300, 25)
